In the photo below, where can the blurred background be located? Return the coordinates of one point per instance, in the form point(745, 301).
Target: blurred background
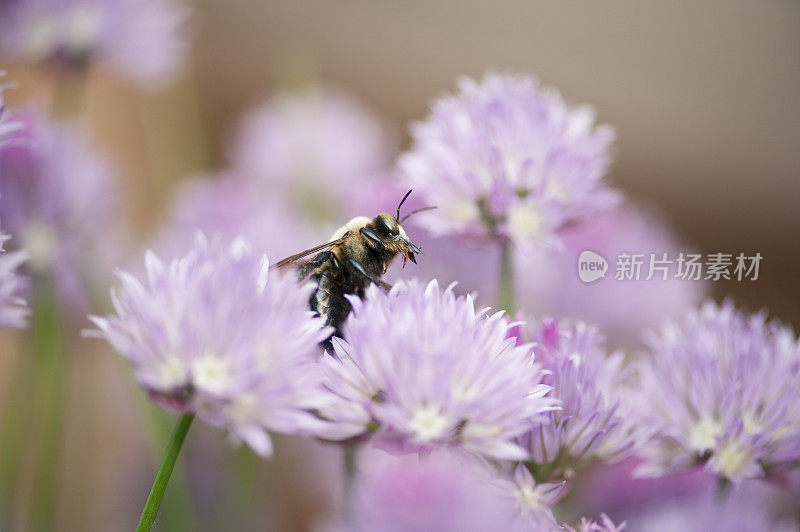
point(703, 96)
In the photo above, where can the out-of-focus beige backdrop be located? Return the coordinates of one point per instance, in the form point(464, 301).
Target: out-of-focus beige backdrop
point(705, 97)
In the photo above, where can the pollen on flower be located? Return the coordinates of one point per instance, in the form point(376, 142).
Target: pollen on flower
point(478, 430)
point(751, 424)
point(463, 212)
point(528, 499)
point(171, 371)
point(733, 460)
point(525, 222)
point(428, 423)
point(703, 433)
point(212, 373)
point(244, 408)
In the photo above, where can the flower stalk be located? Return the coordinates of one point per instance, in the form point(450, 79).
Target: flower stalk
point(153, 503)
point(506, 287)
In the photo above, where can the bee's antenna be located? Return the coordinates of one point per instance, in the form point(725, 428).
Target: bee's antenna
point(401, 203)
point(416, 211)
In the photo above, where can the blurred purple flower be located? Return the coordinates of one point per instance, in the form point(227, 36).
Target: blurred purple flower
point(722, 389)
point(449, 259)
point(442, 492)
point(217, 334)
point(59, 201)
point(319, 151)
point(590, 385)
point(533, 501)
point(140, 39)
point(7, 126)
point(226, 207)
point(424, 370)
point(13, 308)
point(739, 512)
point(614, 489)
point(622, 309)
point(506, 158)
point(605, 525)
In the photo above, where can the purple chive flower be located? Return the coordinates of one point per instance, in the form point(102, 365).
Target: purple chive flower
point(58, 200)
point(741, 511)
point(441, 492)
point(140, 39)
point(623, 309)
point(616, 490)
point(217, 334)
point(13, 309)
point(604, 525)
point(423, 370)
point(226, 207)
point(589, 384)
point(722, 389)
point(7, 126)
point(450, 259)
point(319, 151)
point(533, 501)
point(507, 159)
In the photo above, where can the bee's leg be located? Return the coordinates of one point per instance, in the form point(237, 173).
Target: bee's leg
point(363, 271)
point(369, 234)
point(321, 257)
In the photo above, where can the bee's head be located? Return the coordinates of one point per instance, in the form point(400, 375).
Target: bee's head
point(387, 227)
point(390, 233)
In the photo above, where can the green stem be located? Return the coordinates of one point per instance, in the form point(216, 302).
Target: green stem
point(52, 389)
point(68, 95)
point(177, 513)
point(723, 489)
point(164, 471)
point(350, 470)
point(37, 475)
point(506, 287)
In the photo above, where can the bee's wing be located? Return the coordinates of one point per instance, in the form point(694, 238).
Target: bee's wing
point(298, 256)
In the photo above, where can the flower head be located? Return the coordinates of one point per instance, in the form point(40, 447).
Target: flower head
point(533, 501)
point(589, 383)
point(225, 206)
point(58, 200)
point(722, 389)
point(217, 334)
point(442, 492)
point(505, 158)
point(742, 510)
point(140, 39)
point(13, 309)
point(604, 525)
point(423, 369)
point(320, 151)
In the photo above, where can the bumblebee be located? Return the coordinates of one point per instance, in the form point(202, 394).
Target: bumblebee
point(356, 256)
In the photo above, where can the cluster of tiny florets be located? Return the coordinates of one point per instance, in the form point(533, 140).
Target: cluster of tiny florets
point(504, 158)
point(722, 389)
